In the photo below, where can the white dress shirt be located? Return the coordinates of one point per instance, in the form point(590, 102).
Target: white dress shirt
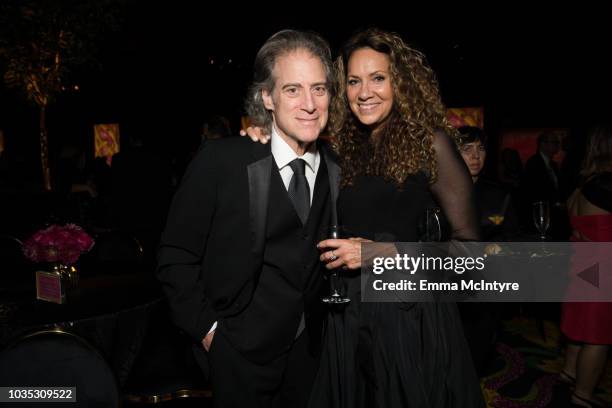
point(283, 155)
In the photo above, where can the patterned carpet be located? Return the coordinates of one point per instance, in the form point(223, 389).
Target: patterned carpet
point(523, 372)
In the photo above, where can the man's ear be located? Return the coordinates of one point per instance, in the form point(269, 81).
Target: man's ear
point(267, 99)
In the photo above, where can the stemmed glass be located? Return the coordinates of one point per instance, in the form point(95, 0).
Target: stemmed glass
point(336, 298)
point(431, 227)
point(541, 217)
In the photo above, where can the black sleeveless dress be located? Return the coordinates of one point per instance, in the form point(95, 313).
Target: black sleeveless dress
point(400, 354)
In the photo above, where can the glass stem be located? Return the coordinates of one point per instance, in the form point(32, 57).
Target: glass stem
point(333, 283)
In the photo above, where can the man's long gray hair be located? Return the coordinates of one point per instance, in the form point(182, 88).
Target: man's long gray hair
point(282, 43)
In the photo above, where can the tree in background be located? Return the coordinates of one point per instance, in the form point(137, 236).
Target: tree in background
point(43, 42)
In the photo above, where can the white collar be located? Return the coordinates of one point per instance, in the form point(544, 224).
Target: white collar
point(283, 154)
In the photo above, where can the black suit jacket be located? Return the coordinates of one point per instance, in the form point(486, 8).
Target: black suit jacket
point(540, 186)
point(211, 251)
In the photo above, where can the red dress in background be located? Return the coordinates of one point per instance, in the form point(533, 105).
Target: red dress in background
point(589, 322)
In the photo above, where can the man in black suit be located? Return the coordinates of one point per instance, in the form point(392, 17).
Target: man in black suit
point(238, 259)
point(542, 172)
point(542, 183)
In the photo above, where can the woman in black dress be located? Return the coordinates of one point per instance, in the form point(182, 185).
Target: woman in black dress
point(389, 128)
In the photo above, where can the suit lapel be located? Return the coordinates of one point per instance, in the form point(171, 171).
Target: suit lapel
point(259, 173)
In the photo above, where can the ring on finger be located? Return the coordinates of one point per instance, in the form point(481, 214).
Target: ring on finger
point(333, 256)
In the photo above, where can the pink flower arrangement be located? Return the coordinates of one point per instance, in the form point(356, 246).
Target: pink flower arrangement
point(58, 243)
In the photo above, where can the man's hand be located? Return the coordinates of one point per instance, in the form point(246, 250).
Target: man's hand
point(207, 341)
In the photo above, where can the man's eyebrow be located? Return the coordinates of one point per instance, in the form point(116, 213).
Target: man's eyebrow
point(296, 85)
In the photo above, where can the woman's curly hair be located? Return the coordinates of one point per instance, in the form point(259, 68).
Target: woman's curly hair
point(404, 144)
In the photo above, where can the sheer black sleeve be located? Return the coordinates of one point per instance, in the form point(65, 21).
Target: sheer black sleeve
point(453, 190)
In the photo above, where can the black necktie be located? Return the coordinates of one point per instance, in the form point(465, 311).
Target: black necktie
point(299, 191)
